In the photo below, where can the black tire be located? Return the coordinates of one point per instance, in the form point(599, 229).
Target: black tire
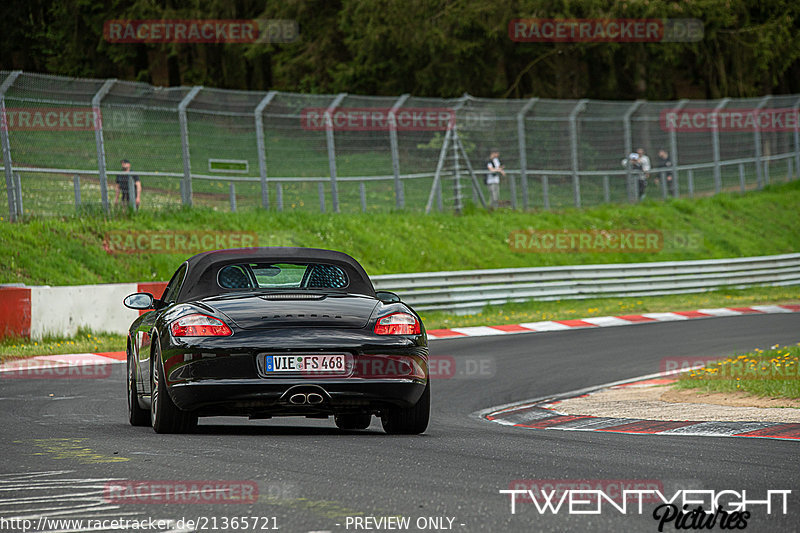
point(165, 416)
point(136, 415)
point(352, 421)
point(410, 420)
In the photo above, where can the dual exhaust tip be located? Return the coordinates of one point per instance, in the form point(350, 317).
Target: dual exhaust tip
point(312, 398)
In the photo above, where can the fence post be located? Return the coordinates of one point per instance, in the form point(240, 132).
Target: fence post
point(457, 206)
point(7, 164)
point(187, 166)
point(399, 194)
point(606, 190)
point(796, 113)
point(332, 149)
point(742, 184)
point(98, 139)
point(76, 182)
point(321, 193)
point(232, 194)
point(632, 190)
point(261, 145)
point(18, 194)
point(279, 196)
point(766, 172)
point(690, 174)
point(663, 180)
point(757, 140)
point(573, 136)
point(523, 154)
point(545, 192)
point(362, 191)
point(715, 144)
point(673, 149)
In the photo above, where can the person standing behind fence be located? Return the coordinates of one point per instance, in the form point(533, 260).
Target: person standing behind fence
point(644, 162)
point(493, 178)
point(665, 163)
point(122, 185)
point(635, 165)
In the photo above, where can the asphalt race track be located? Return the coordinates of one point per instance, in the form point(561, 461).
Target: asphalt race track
point(63, 440)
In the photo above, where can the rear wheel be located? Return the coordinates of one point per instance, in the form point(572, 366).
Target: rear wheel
point(136, 415)
point(353, 421)
point(165, 416)
point(410, 420)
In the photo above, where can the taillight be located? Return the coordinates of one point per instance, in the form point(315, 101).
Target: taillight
point(398, 324)
point(198, 325)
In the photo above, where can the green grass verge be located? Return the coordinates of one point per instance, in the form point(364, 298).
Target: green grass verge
point(773, 373)
point(85, 341)
point(535, 311)
point(69, 250)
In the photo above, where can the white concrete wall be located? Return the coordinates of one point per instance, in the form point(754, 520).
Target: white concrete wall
point(62, 310)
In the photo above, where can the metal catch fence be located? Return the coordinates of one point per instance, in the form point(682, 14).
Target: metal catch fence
point(63, 140)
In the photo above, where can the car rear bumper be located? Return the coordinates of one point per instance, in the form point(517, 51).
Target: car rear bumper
point(215, 376)
point(271, 397)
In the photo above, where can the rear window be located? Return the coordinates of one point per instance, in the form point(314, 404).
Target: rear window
point(282, 276)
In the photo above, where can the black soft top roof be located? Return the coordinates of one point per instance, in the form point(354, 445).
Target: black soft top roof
point(201, 276)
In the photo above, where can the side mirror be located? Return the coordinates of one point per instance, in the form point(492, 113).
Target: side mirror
point(140, 301)
point(387, 297)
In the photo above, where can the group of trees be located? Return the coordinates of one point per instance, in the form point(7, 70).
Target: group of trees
point(423, 47)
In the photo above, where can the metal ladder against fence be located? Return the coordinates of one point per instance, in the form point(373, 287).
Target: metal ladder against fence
point(453, 150)
point(560, 153)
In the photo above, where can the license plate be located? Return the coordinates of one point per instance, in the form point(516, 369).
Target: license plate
point(306, 364)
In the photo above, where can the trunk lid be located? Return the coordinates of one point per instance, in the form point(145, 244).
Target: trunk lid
point(286, 310)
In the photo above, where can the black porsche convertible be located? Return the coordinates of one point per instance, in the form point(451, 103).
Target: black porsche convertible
point(266, 332)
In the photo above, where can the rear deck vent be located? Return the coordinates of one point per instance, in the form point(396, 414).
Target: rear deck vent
point(292, 296)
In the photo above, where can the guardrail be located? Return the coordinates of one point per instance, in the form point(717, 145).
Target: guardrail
point(34, 312)
point(469, 291)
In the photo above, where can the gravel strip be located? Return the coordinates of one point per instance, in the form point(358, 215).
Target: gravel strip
point(646, 402)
